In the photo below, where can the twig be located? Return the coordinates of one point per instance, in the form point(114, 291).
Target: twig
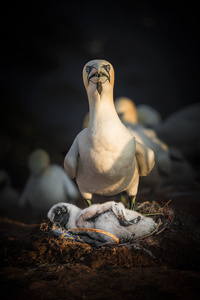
point(167, 203)
point(153, 214)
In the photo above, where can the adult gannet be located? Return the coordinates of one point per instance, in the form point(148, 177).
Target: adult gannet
point(48, 184)
point(170, 165)
point(105, 158)
point(182, 130)
point(142, 114)
point(125, 224)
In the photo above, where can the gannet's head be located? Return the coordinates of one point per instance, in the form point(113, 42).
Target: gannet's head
point(59, 213)
point(38, 162)
point(98, 76)
point(63, 213)
point(126, 110)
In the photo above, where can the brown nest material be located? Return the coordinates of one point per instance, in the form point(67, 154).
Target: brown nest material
point(163, 216)
point(45, 247)
point(173, 244)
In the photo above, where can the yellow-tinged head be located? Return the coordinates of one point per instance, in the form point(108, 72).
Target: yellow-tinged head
point(98, 77)
point(126, 110)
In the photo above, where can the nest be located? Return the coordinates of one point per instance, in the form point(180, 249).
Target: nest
point(163, 216)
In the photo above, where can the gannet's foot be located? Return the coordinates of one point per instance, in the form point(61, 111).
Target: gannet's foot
point(123, 198)
point(125, 223)
point(120, 212)
point(132, 202)
point(88, 202)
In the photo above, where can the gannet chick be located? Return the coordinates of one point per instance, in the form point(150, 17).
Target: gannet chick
point(142, 114)
point(113, 217)
point(105, 158)
point(48, 184)
point(9, 197)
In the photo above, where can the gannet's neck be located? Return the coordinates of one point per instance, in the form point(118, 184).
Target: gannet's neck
point(74, 212)
point(102, 109)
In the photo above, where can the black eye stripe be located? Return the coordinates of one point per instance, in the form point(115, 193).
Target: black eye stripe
point(99, 75)
point(88, 69)
point(106, 68)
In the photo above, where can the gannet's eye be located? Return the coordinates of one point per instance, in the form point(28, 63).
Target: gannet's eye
point(57, 211)
point(88, 69)
point(107, 68)
point(64, 209)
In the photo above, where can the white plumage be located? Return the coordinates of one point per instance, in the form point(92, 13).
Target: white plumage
point(110, 216)
point(48, 184)
point(170, 164)
point(142, 113)
point(105, 158)
point(182, 130)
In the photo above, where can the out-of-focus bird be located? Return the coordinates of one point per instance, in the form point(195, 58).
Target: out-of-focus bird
point(9, 197)
point(47, 185)
point(125, 224)
point(105, 158)
point(126, 110)
point(182, 130)
point(148, 115)
point(136, 114)
point(170, 164)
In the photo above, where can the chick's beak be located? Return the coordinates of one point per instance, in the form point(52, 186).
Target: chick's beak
point(61, 216)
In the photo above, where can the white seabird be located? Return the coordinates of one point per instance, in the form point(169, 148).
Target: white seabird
point(105, 158)
point(47, 185)
point(143, 114)
point(182, 130)
point(170, 165)
point(113, 217)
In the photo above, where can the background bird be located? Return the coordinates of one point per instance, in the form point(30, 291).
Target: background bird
point(170, 164)
point(47, 185)
point(182, 130)
point(105, 158)
point(136, 114)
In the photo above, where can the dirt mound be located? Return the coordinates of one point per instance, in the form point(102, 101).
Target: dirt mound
point(36, 263)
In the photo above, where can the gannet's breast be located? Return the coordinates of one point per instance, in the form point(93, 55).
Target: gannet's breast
point(107, 161)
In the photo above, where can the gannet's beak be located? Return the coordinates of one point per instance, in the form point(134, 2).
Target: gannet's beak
point(98, 73)
point(61, 215)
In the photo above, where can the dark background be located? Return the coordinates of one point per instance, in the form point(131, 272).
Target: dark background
point(45, 44)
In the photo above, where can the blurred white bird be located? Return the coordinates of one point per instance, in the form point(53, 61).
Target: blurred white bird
point(105, 158)
point(170, 164)
point(182, 130)
point(9, 197)
point(141, 114)
point(125, 224)
point(47, 185)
